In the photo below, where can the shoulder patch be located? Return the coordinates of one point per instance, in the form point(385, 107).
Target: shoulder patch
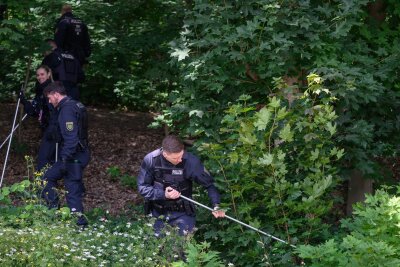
point(69, 125)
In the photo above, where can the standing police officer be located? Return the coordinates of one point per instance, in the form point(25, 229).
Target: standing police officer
point(164, 175)
point(72, 35)
point(74, 153)
point(65, 67)
point(40, 108)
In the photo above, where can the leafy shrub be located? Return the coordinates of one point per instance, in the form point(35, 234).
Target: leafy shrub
point(140, 94)
point(276, 165)
point(200, 255)
point(370, 238)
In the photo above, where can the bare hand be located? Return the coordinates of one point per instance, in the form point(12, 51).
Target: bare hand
point(171, 193)
point(219, 213)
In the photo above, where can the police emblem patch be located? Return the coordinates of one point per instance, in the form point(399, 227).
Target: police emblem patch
point(69, 125)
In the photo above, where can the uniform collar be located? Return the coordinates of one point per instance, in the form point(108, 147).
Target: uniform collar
point(67, 15)
point(63, 101)
point(165, 161)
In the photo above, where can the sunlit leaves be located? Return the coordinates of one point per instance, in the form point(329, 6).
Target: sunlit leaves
point(263, 118)
point(181, 54)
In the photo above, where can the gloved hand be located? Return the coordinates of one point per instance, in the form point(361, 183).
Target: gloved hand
point(63, 167)
point(22, 97)
point(28, 108)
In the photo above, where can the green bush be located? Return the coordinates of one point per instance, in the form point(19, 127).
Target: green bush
point(370, 238)
point(277, 167)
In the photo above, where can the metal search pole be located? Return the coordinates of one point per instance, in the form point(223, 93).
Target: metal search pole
point(242, 223)
point(9, 142)
point(15, 128)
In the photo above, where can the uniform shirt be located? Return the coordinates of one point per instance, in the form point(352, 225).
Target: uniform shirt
point(193, 170)
point(68, 126)
point(75, 40)
point(64, 67)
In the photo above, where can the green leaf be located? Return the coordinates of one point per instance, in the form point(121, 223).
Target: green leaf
point(198, 113)
point(286, 134)
point(314, 154)
point(266, 159)
point(263, 117)
point(331, 128)
point(181, 54)
point(275, 103)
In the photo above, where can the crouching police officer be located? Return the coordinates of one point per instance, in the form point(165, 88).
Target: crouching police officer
point(74, 152)
point(164, 175)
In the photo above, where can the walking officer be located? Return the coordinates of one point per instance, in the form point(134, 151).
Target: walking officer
point(74, 151)
point(72, 35)
point(164, 175)
point(65, 67)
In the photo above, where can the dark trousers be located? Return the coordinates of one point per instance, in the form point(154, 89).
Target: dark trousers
point(72, 181)
point(47, 149)
point(184, 222)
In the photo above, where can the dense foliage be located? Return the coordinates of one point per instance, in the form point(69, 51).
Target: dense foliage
point(368, 239)
point(128, 66)
point(233, 48)
point(278, 170)
point(283, 97)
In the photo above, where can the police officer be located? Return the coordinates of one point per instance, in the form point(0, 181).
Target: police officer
point(72, 35)
point(74, 151)
point(40, 108)
point(65, 67)
point(164, 175)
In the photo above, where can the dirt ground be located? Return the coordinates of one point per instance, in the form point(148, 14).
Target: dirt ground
point(117, 139)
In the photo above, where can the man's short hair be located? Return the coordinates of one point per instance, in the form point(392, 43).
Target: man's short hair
point(172, 144)
point(66, 8)
point(55, 87)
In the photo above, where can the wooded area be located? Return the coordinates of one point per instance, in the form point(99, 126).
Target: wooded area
point(293, 106)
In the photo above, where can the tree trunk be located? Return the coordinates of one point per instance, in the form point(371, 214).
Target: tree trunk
point(358, 187)
point(3, 9)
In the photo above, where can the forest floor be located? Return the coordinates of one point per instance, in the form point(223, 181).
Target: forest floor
point(117, 140)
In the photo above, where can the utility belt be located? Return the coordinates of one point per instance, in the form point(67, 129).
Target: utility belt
point(179, 205)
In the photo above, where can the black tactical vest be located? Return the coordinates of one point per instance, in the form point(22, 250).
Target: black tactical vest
point(68, 69)
point(76, 38)
point(173, 177)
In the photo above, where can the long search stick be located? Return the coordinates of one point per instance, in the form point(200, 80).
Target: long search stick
point(9, 142)
point(242, 223)
point(15, 128)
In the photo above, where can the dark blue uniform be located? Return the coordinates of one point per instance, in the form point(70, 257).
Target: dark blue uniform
point(40, 108)
point(72, 35)
point(74, 156)
point(66, 68)
point(157, 173)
